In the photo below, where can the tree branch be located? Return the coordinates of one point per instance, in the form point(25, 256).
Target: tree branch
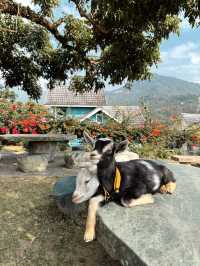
point(83, 13)
point(9, 7)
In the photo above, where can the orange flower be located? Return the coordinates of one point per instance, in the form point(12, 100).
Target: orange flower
point(155, 132)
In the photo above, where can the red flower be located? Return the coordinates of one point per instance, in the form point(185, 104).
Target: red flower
point(14, 107)
point(194, 146)
point(4, 130)
point(194, 138)
point(43, 119)
point(15, 131)
point(34, 132)
point(33, 123)
point(26, 130)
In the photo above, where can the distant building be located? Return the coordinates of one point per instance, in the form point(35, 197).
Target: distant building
point(91, 106)
point(188, 119)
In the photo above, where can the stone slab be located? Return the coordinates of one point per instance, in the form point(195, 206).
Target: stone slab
point(37, 137)
point(186, 158)
point(165, 233)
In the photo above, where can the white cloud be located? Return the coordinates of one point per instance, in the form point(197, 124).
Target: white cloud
point(194, 58)
point(181, 61)
point(181, 51)
point(188, 51)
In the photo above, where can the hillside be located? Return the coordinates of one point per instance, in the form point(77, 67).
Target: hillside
point(165, 95)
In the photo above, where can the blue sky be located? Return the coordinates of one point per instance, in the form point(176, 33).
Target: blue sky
point(180, 54)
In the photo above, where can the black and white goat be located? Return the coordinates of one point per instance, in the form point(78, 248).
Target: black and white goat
point(139, 180)
point(87, 182)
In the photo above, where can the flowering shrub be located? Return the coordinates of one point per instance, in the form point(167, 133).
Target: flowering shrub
point(26, 118)
point(151, 140)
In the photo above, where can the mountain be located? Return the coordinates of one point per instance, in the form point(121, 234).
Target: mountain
point(166, 96)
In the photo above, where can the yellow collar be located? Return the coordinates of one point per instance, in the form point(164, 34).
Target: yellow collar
point(117, 184)
point(117, 181)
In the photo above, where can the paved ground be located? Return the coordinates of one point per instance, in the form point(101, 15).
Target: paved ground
point(33, 231)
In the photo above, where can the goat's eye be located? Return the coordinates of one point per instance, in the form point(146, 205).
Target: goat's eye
point(87, 181)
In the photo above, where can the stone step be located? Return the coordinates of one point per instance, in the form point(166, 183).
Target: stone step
point(186, 159)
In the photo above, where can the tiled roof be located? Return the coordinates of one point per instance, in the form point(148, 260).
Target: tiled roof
point(61, 96)
point(133, 114)
point(189, 119)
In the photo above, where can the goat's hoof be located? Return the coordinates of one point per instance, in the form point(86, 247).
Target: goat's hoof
point(163, 189)
point(168, 188)
point(89, 236)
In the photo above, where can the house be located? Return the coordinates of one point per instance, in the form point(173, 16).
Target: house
point(188, 119)
point(90, 106)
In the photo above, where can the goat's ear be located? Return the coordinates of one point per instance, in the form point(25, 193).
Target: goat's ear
point(88, 139)
point(122, 146)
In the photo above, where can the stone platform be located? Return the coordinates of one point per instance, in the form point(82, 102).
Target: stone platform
point(165, 233)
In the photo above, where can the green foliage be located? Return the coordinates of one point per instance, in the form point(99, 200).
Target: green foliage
point(22, 54)
point(114, 40)
point(152, 151)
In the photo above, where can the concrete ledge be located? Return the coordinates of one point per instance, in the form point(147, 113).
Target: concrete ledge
point(165, 233)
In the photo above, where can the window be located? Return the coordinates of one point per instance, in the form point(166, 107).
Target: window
point(99, 118)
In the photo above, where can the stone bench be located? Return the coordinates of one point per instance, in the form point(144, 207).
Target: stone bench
point(165, 233)
point(41, 149)
point(44, 144)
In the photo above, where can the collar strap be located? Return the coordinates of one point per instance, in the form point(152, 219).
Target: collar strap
point(117, 181)
point(116, 185)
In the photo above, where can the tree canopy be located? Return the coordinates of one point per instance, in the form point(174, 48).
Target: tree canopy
point(110, 40)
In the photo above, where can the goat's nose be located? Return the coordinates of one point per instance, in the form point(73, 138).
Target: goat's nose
point(75, 198)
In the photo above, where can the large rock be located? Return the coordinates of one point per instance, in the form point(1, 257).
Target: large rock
point(62, 193)
point(165, 233)
point(33, 163)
